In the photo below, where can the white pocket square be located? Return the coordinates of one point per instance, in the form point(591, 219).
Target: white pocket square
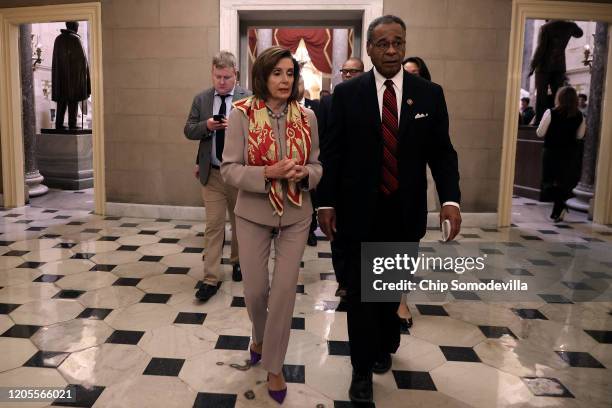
point(421, 115)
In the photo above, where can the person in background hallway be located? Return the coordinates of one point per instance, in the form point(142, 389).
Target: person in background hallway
point(526, 112)
point(218, 196)
point(416, 66)
point(314, 106)
point(561, 128)
point(583, 106)
point(548, 61)
point(352, 68)
point(324, 93)
point(374, 189)
point(271, 157)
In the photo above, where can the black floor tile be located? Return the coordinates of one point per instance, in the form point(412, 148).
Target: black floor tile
point(15, 253)
point(554, 298)
point(349, 404)
point(91, 230)
point(65, 245)
point(298, 323)
point(47, 359)
point(48, 278)
point(127, 282)
point(61, 217)
point(590, 239)
point(327, 276)
point(156, 298)
point(540, 262)
point(238, 301)
point(193, 250)
point(36, 228)
point(103, 268)
point(579, 359)
point(128, 225)
point(22, 331)
point(108, 239)
point(338, 348)
point(6, 308)
point(31, 265)
point(68, 294)
point(577, 285)
point(431, 310)
point(414, 380)
point(514, 244)
point(531, 238)
point(50, 211)
point(601, 336)
point(177, 270)
point(559, 254)
point(577, 246)
point(125, 337)
point(294, 373)
point(325, 255)
point(6, 243)
point(169, 240)
point(85, 396)
point(82, 255)
point(299, 289)
point(597, 275)
point(112, 218)
point(495, 332)
point(94, 313)
point(211, 400)
point(75, 223)
point(548, 232)
point(491, 251)
point(190, 318)
point(182, 226)
point(460, 354)
point(170, 367)
point(147, 232)
point(546, 387)
point(128, 248)
point(233, 342)
point(529, 314)
point(150, 258)
point(49, 236)
point(470, 235)
point(464, 295)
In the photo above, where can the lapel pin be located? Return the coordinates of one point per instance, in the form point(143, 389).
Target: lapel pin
point(410, 102)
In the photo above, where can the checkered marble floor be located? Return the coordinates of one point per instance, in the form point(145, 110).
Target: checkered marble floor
point(107, 304)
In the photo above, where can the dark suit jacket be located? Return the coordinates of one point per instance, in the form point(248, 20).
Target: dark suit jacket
point(549, 55)
point(352, 154)
point(313, 105)
point(195, 128)
point(324, 113)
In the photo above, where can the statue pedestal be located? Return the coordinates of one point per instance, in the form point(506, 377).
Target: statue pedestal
point(65, 158)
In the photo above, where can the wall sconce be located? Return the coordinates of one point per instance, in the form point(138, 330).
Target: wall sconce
point(588, 56)
point(36, 52)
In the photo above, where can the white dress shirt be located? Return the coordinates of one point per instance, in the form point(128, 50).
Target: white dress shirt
point(216, 107)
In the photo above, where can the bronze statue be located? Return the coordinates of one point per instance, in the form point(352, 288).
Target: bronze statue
point(548, 61)
point(70, 75)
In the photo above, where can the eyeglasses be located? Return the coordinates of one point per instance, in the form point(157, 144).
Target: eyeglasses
point(384, 45)
point(350, 71)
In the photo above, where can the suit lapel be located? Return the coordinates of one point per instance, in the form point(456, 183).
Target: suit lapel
point(371, 98)
point(407, 102)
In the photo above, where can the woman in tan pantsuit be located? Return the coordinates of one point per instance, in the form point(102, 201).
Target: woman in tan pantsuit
point(271, 156)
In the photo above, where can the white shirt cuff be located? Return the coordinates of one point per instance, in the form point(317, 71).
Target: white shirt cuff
point(454, 204)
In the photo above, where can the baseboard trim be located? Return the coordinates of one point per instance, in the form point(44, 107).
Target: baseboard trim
point(155, 211)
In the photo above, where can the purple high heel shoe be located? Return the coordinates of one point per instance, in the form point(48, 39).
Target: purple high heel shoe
point(255, 357)
point(277, 395)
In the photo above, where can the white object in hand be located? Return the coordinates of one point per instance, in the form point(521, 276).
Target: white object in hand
point(446, 230)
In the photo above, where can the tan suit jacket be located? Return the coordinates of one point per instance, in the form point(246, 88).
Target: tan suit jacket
point(253, 203)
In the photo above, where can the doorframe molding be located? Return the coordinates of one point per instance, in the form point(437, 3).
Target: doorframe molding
point(539, 9)
point(11, 139)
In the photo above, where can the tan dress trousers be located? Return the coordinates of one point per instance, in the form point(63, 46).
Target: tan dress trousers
point(218, 197)
point(270, 304)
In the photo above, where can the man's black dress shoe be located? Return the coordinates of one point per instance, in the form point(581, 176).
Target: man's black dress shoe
point(361, 388)
point(382, 363)
point(312, 239)
point(206, 291)
point(236, 273)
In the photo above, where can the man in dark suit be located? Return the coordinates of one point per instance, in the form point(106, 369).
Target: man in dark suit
point(386, 126)
point(548, 61)
point(218, 197)
point(352, 67)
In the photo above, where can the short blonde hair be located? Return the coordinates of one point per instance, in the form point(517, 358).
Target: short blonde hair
point(224, 59)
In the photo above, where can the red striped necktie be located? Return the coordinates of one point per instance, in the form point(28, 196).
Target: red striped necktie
point(390, 130)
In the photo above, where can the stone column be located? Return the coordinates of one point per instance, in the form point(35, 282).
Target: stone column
point(585, 190)
point(33, 178)
point(339, 53)
point(527, 53)
point(264, 39)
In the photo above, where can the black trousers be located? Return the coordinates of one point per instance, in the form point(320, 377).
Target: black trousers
point(373, 327)
point(544, 101)
point(72, 114)
point(339, 259)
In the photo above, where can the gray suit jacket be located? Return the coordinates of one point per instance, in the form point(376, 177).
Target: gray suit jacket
point(195, 128)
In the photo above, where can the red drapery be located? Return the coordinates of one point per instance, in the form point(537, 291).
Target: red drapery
point(319, 43)
point(252, 44)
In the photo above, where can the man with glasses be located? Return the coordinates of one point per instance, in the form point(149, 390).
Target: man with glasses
point(386, 127)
